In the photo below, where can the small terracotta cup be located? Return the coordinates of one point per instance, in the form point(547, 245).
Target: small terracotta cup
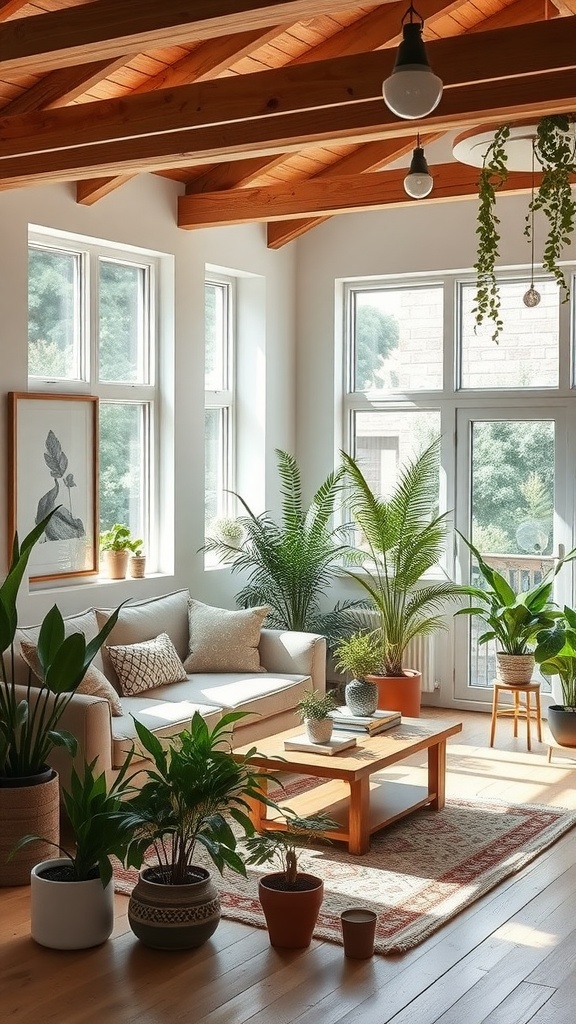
point(358, 931)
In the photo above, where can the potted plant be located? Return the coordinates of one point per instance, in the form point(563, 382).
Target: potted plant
point(556, 655)
point(29, 726)
point(137, 560)
point(194, 791)
point(404, 539)
point(290, 564)
point(72, 896)
point(360, 656)
point(314, 709)
point(116, 544)
point(513, 620)
point(290, 899)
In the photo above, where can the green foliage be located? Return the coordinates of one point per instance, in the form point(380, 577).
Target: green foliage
point(119, 538)
point(492, 176)
point(514, 620)
point(29, 727)
point(194, 788)
point(316, 705)
point(556, 654)
point(99, 828)
point(405, 539)
point(291, 564)
point(359, 654)
point(377, 335)
point(283, 844)
point(555, 151)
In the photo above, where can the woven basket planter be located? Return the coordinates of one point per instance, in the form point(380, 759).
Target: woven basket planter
point(514, 669)
point(27, 810)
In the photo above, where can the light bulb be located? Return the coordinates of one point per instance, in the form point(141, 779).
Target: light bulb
point(418, 183)
point(412, 90)
point(531, 298)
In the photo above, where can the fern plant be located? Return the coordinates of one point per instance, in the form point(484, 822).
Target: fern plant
point(292, 563)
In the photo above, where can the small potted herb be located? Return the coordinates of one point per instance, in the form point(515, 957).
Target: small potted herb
point(361, 656)
point(315, 710)
point(117, 543)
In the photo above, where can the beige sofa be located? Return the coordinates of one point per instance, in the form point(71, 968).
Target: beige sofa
point(291, 662)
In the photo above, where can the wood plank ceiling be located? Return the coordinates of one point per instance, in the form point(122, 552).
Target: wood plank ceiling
point(266, 110)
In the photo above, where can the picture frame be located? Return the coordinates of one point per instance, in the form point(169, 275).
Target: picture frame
point(53, 464)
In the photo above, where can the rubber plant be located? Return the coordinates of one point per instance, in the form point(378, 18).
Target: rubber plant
point(555, 152)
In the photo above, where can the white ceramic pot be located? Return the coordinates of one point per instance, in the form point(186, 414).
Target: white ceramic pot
point(69, 915)
point(319, 730)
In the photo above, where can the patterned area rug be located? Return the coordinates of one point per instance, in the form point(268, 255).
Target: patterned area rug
point(418, 874)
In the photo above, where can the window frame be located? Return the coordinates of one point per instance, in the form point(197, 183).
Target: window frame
point(224, 399)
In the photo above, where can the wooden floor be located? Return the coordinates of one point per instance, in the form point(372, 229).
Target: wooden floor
point(508, 959)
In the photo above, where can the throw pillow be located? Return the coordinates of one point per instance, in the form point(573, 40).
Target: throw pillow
point(222, 640)
point(94, 683)
point(146, 665)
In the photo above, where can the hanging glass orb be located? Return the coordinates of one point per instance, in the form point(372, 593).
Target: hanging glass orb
point(532, 297)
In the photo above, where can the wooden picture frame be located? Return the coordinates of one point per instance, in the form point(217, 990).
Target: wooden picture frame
point(53, 461)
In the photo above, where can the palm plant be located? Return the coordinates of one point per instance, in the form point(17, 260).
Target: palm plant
point(291, 564)
point(405, 538)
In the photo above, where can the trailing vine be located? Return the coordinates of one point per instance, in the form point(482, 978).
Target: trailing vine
point(555, 151)
point(493, 175)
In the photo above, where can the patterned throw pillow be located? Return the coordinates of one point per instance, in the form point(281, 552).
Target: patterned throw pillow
point(222, 640)
point(145, 665)
point(94, 683)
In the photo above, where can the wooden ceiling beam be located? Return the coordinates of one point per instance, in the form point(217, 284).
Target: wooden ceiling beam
point(487, 104)
point(325, 85)
point(107, 28)
point(348, 194)
point(368, 158)
point(60, 87)
point(10, 7)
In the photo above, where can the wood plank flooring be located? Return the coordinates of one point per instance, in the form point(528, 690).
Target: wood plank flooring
point(508, 959)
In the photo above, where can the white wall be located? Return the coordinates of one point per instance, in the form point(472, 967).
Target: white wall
point(143, 214)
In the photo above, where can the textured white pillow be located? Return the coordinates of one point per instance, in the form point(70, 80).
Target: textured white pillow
point(222, 640)
point(145, 665)
point(94, 683)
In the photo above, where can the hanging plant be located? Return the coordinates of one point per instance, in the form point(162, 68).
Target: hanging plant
point(493, 175)
point(555, 151)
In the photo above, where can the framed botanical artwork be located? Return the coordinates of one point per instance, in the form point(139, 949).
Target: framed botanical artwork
point(53, 467)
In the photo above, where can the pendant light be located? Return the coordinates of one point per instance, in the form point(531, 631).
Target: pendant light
point(412, 90)
point(418, 183)
point(532, 297)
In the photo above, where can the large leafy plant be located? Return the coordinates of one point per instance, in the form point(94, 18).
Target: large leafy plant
point(404, 538)
point(194, 792)
point(97, 825)
point(29, 725)
point(556, 654)
point(514, 620)
point(291, 564)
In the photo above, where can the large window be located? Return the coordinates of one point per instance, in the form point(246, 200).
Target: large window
point(416, 365)
point(219, 312)
point(92, 327)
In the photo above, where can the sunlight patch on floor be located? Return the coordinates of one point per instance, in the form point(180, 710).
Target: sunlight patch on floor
point(525, 935)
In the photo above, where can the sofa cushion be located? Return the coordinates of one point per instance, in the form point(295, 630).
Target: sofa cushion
point(144, 620)
point(222, 640)
point(146, 665)
point(164, 718)
point(262, 695)
point(84, 622)
point(94, 683)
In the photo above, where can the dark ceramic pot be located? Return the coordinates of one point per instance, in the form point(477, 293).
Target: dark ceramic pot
point(562, 725)
point(174, 916)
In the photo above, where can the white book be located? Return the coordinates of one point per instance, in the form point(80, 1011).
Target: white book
point(334, 745)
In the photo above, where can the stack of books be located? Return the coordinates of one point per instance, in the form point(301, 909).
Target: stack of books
point(370, 724)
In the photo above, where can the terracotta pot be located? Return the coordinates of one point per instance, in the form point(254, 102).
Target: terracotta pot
point(116, 563)
point(31, 809)
point(174, 916)
point(69, 915)
point(358, 931)
point(291, 915)
point(514, 669)
point(400, 693)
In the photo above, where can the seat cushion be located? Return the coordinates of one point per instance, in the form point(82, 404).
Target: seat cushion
point(165, 718)
point(263, 695)
point(222, 640)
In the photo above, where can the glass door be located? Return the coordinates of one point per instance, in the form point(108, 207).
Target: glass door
point(512, 505)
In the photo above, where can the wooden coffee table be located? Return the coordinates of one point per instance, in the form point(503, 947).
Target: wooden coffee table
point(360, 803)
